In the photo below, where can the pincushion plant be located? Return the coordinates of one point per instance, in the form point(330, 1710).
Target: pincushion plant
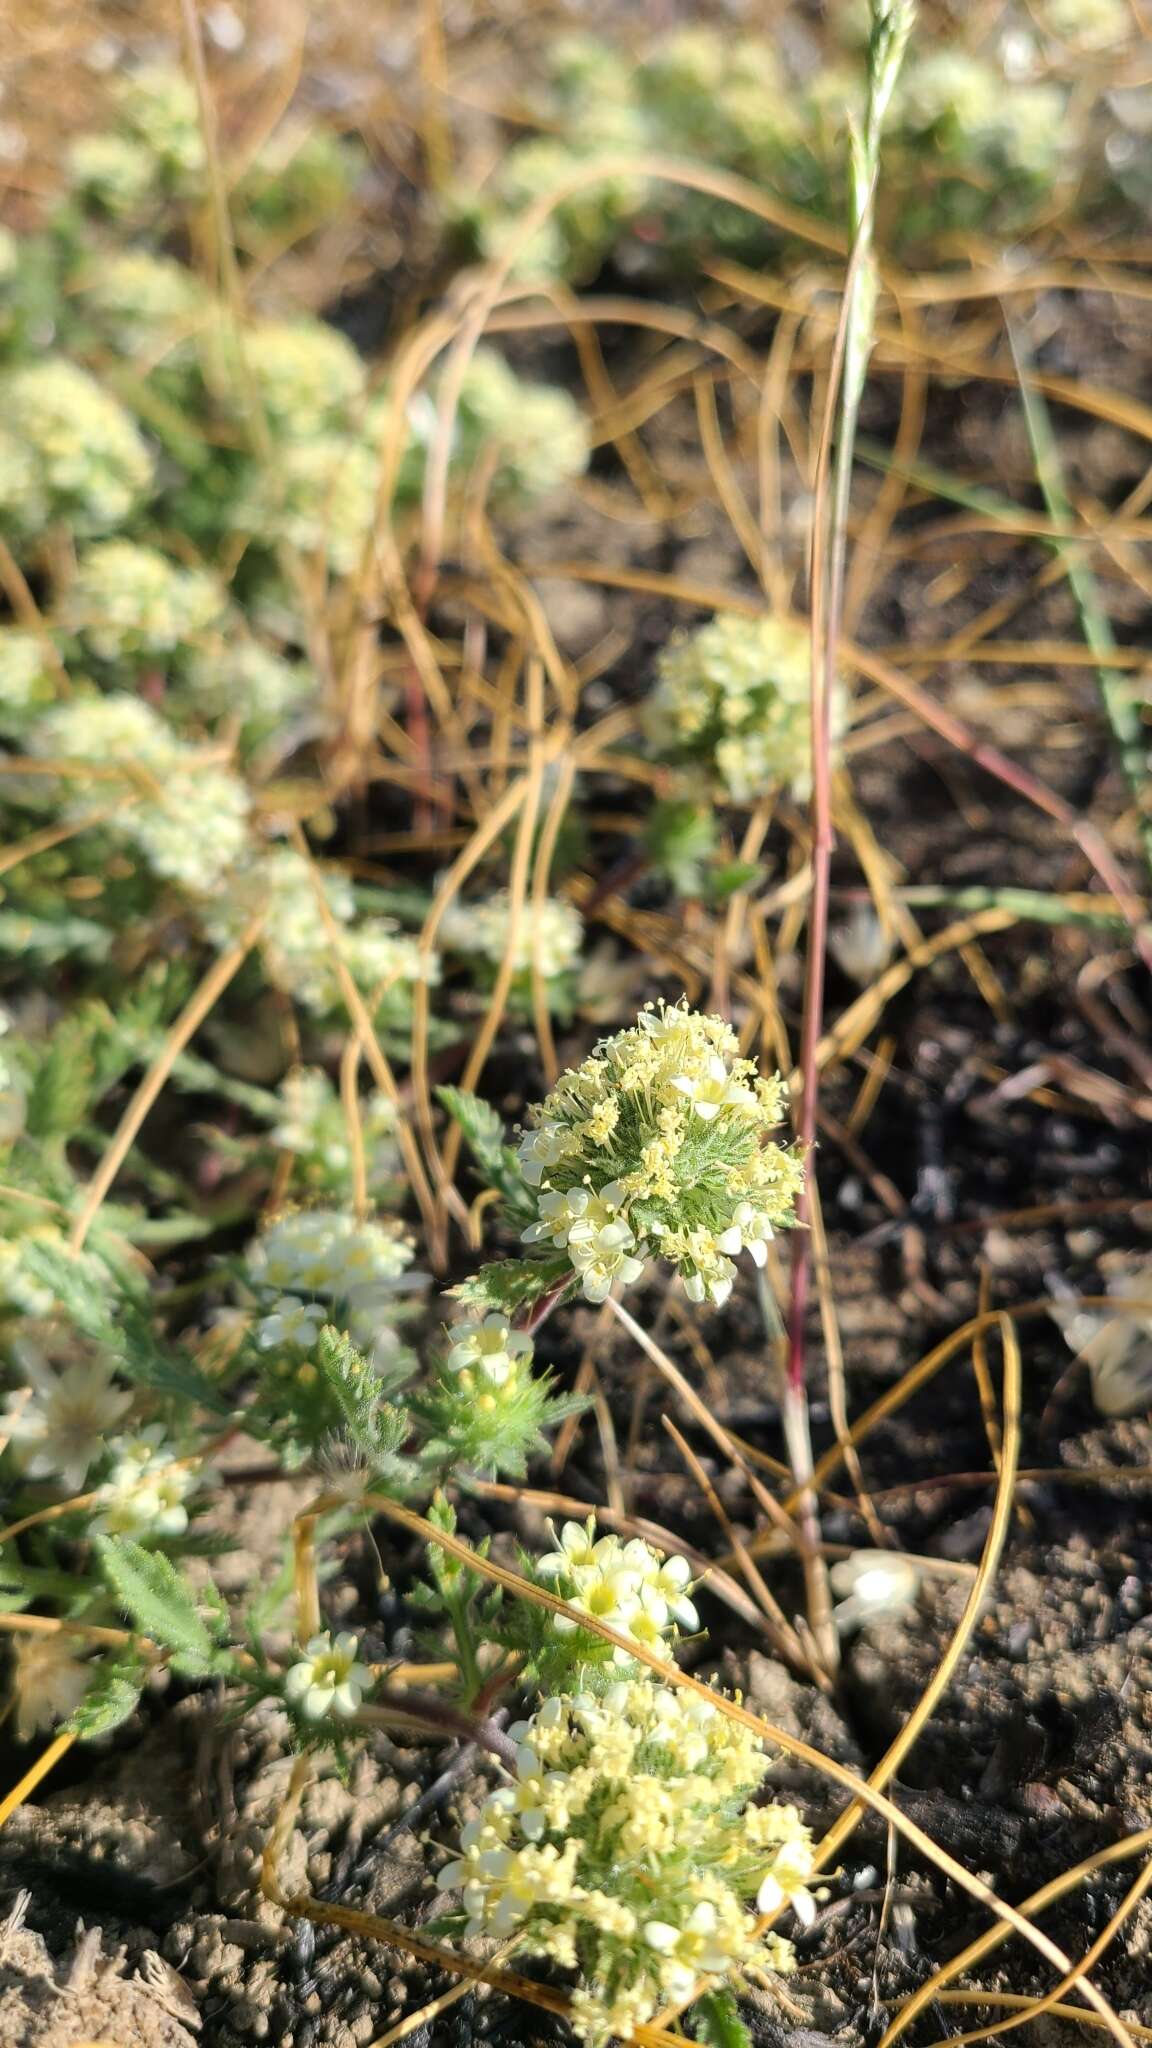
point(625, 1848)
point(658, 1146)
point(733, 700)
point(969, 148)
point(180, 479)
point(628, 1843)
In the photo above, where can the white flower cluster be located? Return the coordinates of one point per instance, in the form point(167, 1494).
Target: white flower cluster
point(309, 378)
point(659, 1142)
point(130, 603)
point(318, 497)
point(328, 1679)
point(189, 819)
point(576, 234)
point(314, 1127)
point(958, 102)
point(157, 109)
point(624, 1848)
point(68, 451)
point(629, 1586)
point(295, 941)
point(248, 681)
point(734, 698)
point(145, 1494)
point(538, 430)
point(111, 172)
point(26, 678)
point(144, 305)
point(325, 1256)
point(549, 936)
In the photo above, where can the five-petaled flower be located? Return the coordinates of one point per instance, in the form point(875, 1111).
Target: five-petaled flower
point(328, 1679)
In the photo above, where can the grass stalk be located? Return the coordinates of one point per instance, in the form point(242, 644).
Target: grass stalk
point(1116, 692)
point(891, 27)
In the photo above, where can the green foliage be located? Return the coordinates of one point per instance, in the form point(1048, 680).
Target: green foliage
point(61, 1089)
point(496, 1158)
point(512, 1285)
point(716, 2022)
point(103, 1299)
point(112, 1696)
point(462, 1597)
point(490, 1430)
point(331, 1400)
point(161, 1603)
point(681, 840)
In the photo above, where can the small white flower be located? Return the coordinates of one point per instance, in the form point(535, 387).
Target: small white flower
point(786, 1883)
point(61, 1427)
point(670, 1579)
point(328, 1679)
point(576, 1550)
point(714, 1090)
point(293, 1323)
point(560, 1215)
point(874, 1582)
point(146, 1491)
point(861, 946)
point(492, 1348)
point(542, 1149)
point(601, 1243)
point(750, 1231)
point(48, 1681)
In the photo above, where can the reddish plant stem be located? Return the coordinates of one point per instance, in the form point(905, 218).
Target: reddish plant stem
point(827, 584)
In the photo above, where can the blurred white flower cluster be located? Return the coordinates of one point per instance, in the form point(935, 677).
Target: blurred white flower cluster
point(314, 1127)
point(129, 603)
point(295, 941)
point(187, 817)
point(322, 1265)
point(734, 700)
point(26, 678)
point(549, 935)
point(143, 304)
point(146, 1492)
point(68, 452)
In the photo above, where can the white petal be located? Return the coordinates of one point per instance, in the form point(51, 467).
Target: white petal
point(661, 1935)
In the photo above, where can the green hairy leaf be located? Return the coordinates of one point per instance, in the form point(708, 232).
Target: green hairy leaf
point(113, 1695)
point(162, 1605)
point(511, 1284)
point(716, 2021)
point(484, 1136)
